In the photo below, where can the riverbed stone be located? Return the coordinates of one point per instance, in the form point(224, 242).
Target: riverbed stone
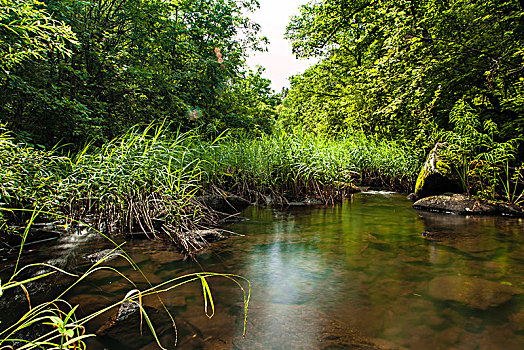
point(476, 293)
point(110, 253)
point(517, 321)
point(305, 202)
point(123, 328)
point(451, 335)
point(209, 236)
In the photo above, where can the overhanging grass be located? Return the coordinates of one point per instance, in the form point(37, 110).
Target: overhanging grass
point(144, 175)
point(147, 180)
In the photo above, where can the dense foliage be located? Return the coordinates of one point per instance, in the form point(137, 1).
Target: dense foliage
point(147, 180)
point(132, 61)
point(397, 68)
point(295, 166)
point(393, 78)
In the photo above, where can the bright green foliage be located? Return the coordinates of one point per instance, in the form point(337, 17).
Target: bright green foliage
point(143, 175)
point(477, 157)
point(422, 175)
point(30, 178)
point(297, 165)
point(246, 105)
point(512, 180)
point(149, 173)
point(27, 31)
point(397, 68)
point(137, 61)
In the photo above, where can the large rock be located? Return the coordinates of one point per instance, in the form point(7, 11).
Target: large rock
point(476, 293)
point(436, 176)
point(465, 205)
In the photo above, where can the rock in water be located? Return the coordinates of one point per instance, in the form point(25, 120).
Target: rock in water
point(474, 292)
point(436, 176)
point(465, 205)
point(123, 328)
point(108, 254)
point(125, 312)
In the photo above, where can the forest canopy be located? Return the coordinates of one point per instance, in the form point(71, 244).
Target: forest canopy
point(398, 68)
point(78, 71)
point(73, 71)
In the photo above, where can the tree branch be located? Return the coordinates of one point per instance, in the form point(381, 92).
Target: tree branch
point(330, 36)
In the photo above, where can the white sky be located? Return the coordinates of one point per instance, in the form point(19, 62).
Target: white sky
point(273, 16)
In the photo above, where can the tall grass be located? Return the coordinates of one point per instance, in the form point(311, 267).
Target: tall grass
point(148, 179)
point(144, 180)
point(299, 165)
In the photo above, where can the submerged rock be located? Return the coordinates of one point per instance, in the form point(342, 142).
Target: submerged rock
point(436, 176)
point(517, 321)
point(124, 328)
point(465, 205)
point(474, 292)
point(111, 253)
point(306, 202)
point(209, 236)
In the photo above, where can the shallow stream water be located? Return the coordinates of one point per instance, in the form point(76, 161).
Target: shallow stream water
point(368, 273)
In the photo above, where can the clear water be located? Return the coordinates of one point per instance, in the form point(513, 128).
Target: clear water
point(360, 274)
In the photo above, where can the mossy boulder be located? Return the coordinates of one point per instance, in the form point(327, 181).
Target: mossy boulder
point(436, 176)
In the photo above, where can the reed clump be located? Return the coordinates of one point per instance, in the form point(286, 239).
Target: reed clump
point(285, 166)
point(149, 179)
point(143, 181)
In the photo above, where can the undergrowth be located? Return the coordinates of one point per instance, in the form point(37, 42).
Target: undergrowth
point(286, 166)
point(149, 179)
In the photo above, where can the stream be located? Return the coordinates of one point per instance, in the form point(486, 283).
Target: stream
point(368, 273)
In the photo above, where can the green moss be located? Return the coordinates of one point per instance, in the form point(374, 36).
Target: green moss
point(443, 168)
point(420, 179)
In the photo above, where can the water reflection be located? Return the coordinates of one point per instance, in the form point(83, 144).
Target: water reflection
point(359, 275)
point(365, 265)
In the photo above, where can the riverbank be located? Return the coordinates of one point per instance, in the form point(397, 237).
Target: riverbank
point(151, 180)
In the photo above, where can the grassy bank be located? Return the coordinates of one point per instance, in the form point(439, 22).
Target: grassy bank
point(294, 166)
point(124, 186)
point(148, 179)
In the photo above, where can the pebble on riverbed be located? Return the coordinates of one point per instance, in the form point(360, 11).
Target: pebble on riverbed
point(111, 253)
point(476, 293)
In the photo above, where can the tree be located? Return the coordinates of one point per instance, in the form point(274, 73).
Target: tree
point(136, 61)
point(27, 31)
point(396, 67)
